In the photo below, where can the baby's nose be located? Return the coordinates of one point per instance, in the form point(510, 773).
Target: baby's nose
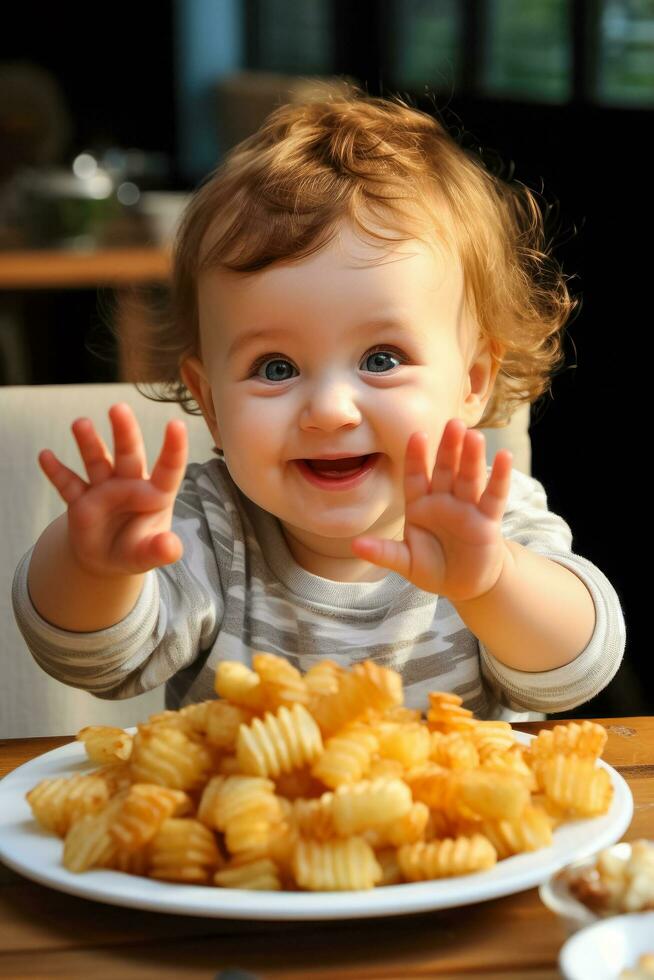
point(330, 406)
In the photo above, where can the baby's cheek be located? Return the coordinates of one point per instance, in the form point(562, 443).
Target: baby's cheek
point(253, 443)
point(413, 411)
point(248, 427)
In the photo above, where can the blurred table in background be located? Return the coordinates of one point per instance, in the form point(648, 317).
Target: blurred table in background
point(124, 270)
point(59, 269)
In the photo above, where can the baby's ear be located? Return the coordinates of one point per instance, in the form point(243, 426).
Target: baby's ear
point(195, 378)
point(482, 373)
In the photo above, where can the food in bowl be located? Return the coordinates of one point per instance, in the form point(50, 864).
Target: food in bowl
point(643, 970)
point(620, 880)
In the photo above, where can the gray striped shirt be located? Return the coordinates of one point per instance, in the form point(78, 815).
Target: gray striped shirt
point(237, 590)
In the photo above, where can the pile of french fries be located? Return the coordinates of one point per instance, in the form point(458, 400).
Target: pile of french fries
point(320, 781)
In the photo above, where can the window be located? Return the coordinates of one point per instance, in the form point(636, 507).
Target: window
point(625, 69)
point(424, 44)
point(528, 50)
point(294, 37)
point(538, 51)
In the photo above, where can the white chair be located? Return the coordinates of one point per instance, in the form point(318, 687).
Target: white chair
point(38, 417)
point(33, 418)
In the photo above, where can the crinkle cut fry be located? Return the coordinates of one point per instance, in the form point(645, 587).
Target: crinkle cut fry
point(365, 687)
point(447, 714)
point(446, 858)
point(576, 784)
point(144, 810)
point(169, 757)
point(346, 756)
point(105, 743)
point(587, 739)
point(337, 865)
point(279, 743)
point(184, 850)
point(57, 803)
point(260, 875)
point(281, 682)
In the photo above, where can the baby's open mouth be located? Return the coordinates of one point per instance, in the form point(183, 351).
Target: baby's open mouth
point(338, 468)
point(342, 473)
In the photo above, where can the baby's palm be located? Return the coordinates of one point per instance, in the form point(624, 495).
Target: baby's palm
point(457, 554)
point(119, 521)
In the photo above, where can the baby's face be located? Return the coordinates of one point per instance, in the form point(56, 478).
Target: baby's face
point(342, 354)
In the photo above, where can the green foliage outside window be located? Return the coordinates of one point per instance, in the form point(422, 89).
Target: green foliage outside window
point(295, 37)
point(528, 50)
point(525, 46)
point(425, 43)
point(626, 53)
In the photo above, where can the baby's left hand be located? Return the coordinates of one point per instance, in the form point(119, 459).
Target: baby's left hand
point(453, 545)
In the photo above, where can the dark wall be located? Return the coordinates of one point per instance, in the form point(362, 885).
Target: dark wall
point(114, 65)
point(594, 162)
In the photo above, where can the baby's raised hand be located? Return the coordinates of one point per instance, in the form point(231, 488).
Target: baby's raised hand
point(453, 545)
point(119, 521)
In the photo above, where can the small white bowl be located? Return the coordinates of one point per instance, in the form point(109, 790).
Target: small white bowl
point(556, 894)
point(601, 951)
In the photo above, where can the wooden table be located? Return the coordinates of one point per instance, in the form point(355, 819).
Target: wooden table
point(45, 933)
point(68, 269)
point(126, 270)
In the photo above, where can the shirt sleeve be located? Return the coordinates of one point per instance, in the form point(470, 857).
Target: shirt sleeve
point(529, 522)
point(176, 617)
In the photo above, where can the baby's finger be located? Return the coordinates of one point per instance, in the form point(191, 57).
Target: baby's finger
point(416, 468)
point(448, 457)
point(493, 500)
point(471, 478)
point(129, 451)
point(68, 484)
point(169, 469)
point(95, 455)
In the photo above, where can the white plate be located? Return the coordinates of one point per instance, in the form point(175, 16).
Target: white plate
point(603, 950)
point(28, 849)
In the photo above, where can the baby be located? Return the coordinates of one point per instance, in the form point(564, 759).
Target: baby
point(353, 295)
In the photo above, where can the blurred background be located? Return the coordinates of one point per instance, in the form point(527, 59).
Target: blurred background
point(110, 117)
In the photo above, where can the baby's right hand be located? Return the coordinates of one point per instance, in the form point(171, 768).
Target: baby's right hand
point(119, 522)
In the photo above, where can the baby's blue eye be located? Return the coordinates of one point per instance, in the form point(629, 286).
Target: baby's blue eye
point(275, 369)
point(378, 361)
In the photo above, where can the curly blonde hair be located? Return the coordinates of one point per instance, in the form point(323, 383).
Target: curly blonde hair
point(281, 193)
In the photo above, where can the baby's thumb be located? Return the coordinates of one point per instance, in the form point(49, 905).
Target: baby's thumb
point(159, 549)
point(394, 555)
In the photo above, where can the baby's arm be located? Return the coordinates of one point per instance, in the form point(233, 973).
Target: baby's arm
point(87, 568)
point(538, 616)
